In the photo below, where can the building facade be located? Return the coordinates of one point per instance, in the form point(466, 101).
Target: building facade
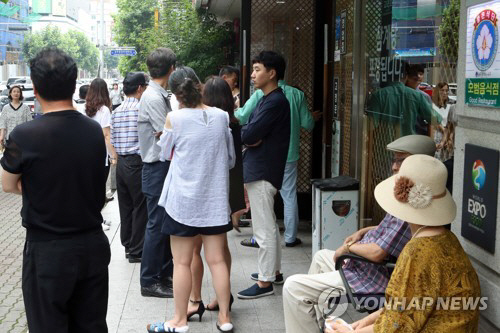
point(13, 25)
point(64, 14)
point(340, 53)
point(95, 13)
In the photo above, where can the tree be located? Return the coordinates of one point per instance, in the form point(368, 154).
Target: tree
point(82, 50)
point(74, 43)
point(111, 62)
point(134, 20)
point(195, 36)
point(448, 32)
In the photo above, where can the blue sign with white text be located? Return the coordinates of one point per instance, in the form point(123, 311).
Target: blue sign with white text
point(124, 52)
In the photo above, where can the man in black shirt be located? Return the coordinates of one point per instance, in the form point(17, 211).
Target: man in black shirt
point(267, 135)
point(55, 162)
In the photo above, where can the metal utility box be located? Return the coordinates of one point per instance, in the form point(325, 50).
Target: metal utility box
point(335, 209)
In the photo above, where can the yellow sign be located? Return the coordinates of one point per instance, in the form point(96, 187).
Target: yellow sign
point(157, 18)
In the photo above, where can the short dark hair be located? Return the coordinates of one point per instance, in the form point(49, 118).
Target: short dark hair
point(413, 69)
point(53, 73)
point(217, 93)
point(82, 92)
point(272, 60)
point(130, 89)
point(132, 82)
point(186, 86)
point(160, 61)
point(228, 70)
point(20, 90)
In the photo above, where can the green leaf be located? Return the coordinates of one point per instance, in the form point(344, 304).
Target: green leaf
point(196, 37)
point(75, 43)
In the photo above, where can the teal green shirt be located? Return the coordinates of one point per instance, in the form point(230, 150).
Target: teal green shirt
point(299, 115)
point(401, 104)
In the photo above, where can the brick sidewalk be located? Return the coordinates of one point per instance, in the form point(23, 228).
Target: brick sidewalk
point(12, 234)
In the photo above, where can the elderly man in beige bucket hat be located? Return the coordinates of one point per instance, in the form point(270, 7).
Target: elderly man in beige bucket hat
point(433, 269)
point(302, 292)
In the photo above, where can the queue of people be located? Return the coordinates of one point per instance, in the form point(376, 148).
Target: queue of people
point(181, 177)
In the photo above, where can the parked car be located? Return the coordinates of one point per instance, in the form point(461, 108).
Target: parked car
point(426, 88)
point(4, 100)
point(29, 100)
point(3, 85)
point(25, 84)
point(13, 79)
point(453, 88)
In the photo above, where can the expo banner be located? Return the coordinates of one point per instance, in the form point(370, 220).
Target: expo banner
point(479, 201)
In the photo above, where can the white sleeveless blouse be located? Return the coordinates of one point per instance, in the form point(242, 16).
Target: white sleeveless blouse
point(200, 147)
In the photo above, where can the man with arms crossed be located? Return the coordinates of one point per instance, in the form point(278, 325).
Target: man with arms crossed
point(156, 261)
point(267, 136)
point(302, 291)
point(55, 163)
point(300, 117)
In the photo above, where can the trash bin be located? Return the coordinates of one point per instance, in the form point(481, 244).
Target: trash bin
point(335, 209)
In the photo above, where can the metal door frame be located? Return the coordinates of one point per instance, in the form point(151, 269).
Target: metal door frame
point(358, 92)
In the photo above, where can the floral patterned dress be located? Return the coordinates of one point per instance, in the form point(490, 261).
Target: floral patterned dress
point(431, 271)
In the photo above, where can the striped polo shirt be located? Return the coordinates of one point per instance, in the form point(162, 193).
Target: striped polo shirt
point(124, 135)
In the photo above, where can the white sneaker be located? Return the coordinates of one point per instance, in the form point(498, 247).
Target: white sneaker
point(105, 227)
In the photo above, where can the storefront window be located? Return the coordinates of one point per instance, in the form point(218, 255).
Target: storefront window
point(406, 44)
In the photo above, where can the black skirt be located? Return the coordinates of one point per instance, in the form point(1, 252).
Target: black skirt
point(173, 228)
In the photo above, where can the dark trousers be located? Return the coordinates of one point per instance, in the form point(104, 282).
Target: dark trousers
point(156, 264)
point(65, 284)
point(132, 203)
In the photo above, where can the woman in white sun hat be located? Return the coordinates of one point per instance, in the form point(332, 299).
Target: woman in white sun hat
point(433, 269)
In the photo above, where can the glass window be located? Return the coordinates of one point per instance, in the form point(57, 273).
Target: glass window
point(409, 54)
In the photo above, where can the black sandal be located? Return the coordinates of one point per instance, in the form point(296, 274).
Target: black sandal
point(216, 308)
point(200, 311)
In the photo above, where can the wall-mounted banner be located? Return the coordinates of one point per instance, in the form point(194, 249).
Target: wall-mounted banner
point(482, 66)
point(343, 32)
point(337, 39)
point(479, 203)
point(420, 52)
point(335, 98)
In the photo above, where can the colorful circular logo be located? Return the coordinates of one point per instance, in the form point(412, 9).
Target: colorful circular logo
point(485, 39)
point(478, 174)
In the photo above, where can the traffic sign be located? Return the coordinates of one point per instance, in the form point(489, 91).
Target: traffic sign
point(124, 52)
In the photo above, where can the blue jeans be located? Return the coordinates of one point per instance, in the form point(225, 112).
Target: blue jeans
point(156, 263)
point(289, 194)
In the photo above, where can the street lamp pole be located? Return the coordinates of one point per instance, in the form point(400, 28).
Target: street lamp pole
point(101, 48)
